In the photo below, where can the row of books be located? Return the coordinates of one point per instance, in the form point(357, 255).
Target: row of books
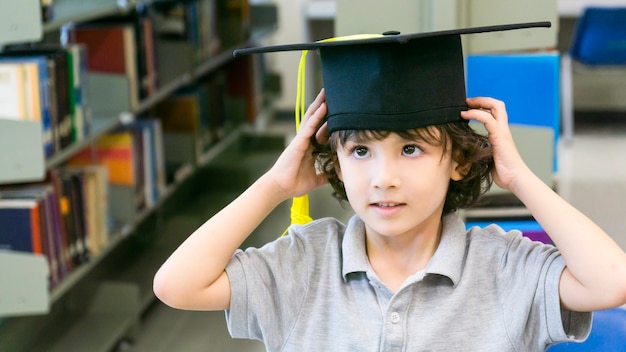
point(134, 158)
point(62, 218)
point(106, 66)
point(170, 38)
point(46, 84)
point(70, 216)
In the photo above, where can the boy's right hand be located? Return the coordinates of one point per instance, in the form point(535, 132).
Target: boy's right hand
point(294, 173)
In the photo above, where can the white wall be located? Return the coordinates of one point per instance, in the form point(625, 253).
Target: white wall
point(295, 25)
point(291, 29)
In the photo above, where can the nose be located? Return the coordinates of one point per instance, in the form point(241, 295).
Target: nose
point(384, 174)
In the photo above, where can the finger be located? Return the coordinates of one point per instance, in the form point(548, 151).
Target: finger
point(483, 116)
point(321, 97)
point(495, 107)
point(322, 135)
point(314, 122)
point(485, 103)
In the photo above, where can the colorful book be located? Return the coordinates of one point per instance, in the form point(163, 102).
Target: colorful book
point(116, 151)
point(58, 92)
point(44, 194)
point(58, 63)
point(40, 99)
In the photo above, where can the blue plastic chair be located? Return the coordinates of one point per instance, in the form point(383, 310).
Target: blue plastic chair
point(599, 39)
point(608, 333)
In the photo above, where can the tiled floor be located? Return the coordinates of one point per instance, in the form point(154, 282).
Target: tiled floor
point(592, 176)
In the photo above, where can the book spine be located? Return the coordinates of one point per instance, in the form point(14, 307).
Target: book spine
point(35, 233)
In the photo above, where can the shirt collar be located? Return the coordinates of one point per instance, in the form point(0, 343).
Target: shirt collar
point(353, 246)
point(447, 260)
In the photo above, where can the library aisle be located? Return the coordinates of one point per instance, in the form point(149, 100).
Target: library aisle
point(166, 329)
point(592, 177)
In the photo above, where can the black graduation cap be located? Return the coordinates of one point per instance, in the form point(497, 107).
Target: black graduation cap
point(393, 81)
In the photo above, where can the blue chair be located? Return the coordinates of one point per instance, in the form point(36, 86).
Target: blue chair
point(599, 39)
point(608, 333)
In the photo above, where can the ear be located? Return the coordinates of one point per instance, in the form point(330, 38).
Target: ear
point(459, 171)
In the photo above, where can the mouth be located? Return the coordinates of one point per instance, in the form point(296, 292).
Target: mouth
point(387, 209)
point(387, 204)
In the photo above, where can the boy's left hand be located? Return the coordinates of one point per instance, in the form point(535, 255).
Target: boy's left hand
point(508, 162)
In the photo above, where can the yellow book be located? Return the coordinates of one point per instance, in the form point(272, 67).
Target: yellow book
point(116, 152)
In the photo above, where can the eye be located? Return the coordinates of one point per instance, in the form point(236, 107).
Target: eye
point(360, 151)
point(411, 150)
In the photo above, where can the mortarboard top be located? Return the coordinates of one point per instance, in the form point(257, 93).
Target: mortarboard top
point(393, 81)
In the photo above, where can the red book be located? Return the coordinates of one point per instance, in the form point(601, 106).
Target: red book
point(110, 48)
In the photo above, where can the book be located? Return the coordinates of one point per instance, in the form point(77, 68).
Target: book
point(175, 52)
point(111, 48)
point(44, 194)
point(79, 112)
point(68, 212)
point(180, 120)
point(95, 195)
point(233, 22)
point(117, 152)
point(43, 114)
point(180, 112)
point(78, 211)
point(14, 91)
point(33, 92)
point(59, 88)
point(20, 225)
point(201, 20)
point(121, 153)
point(149, 74)
point(61, 211)
point(143, 28)
point(153, 159)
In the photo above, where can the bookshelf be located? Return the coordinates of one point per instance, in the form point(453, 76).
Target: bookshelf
point(88, 303)
point(28, 165)
point(21, 295)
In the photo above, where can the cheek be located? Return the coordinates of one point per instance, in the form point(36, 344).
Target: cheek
point(434, 181)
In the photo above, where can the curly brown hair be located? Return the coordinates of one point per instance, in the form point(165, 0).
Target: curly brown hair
point(471, 150)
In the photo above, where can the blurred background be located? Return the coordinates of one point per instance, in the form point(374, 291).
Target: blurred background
point(125, 124)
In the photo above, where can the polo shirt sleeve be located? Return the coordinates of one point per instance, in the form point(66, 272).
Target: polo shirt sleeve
point(529, 275)
point(268, 286)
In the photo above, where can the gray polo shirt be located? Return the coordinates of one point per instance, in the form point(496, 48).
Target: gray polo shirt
point(483, 290)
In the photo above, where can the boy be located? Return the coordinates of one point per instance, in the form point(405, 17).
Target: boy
point(390, 134)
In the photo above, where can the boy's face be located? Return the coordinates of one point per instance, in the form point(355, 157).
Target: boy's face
point(397, 186)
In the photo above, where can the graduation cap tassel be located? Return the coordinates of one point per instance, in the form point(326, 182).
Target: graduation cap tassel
point(300, 205)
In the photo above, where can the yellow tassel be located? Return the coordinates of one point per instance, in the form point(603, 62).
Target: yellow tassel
point(300, 205)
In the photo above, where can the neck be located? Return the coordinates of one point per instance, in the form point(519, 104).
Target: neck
point(395, 259)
